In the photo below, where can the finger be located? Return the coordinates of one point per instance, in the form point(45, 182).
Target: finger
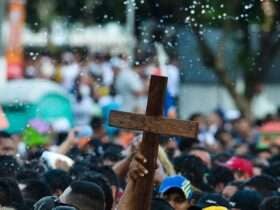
point(133, 176)
point(140, 158)
point(141, 169)
point(139, 174)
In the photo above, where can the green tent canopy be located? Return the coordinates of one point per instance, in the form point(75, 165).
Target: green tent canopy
point(23, 100)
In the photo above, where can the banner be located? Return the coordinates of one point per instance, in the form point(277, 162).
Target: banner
point(14, 52)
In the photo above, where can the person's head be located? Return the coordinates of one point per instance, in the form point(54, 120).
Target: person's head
point(211, 201)
point(242, 126)
point(192, 168)
point(246, 200)
point(203, 154)
point(84, 195)
point(8, 166)
point(10, 195)
point(231, 188)
point(273, 169)
point(8, 145)
point(57, 180)
point(51, 203)
point(270, 203)
point(264, 184)
point(225, 138)
point(112, 179)
point(200, 118)
point(25, 174)
point(33, 190)
point(214, 119)
point(96, 124)
point(219, 177)
point(241, 167)
point(177, 191)
point(160, 204)
point(112, 154)
point(104, 184)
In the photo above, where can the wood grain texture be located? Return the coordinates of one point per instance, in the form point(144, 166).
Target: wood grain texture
point(153, 125)
point(149, 144)
point(157, 125)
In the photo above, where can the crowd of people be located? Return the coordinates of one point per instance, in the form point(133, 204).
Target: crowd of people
point(231, 165)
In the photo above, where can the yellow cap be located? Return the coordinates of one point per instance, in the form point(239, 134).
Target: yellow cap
point(215, 208)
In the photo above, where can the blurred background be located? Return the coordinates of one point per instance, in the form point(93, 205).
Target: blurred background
point(77, 59)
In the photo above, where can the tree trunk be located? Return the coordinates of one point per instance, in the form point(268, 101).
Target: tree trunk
point(216, 64)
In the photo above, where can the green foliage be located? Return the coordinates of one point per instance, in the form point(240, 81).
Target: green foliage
point(40, 13)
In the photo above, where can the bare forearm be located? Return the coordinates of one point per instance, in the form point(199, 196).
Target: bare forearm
point(126, 201)
point(65, 147)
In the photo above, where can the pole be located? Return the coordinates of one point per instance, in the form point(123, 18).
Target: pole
point(130, 27)
point(2, 56)
point(14, 49)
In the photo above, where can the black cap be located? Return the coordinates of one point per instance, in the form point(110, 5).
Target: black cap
point(211, 199)
point(51, 202)
point(246, 199)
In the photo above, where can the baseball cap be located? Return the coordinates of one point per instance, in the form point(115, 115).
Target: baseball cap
point(211, 201)
point(240, 164)
point(246, 199)
point(51, 202)
point(178, 182)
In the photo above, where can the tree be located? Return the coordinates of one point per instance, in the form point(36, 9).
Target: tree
point(231, 17)
point(255, 63)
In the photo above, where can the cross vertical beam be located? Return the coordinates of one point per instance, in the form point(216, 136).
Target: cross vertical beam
point(153, 125)
point(150, 143)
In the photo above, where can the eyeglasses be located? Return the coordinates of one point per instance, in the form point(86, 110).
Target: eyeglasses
point(52, 203)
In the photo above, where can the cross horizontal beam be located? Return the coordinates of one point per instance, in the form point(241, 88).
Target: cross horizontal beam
point(157, 125)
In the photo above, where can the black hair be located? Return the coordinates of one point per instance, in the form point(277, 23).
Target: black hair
point(238, 184)
point(8, 166)
point(195, 115)
point(57, 180)
point(5, 135)
point(10, 195)
point(109, 174)
point(96, 123)
point(34, 190)
point(193, 169)
point(61, 136)
point(270, 203)
point(274, 159)
point(185, 144)
point(264, 184)
point(220, 174)
point(86, 195)
point(25, 174)
point(112, 152)
point(81, 167)
point(36, 165)
point(102, 182)
point(273, 170)
point(220, 158)
point(160, 204)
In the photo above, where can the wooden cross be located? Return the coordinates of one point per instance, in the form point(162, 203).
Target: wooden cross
point(153, 125)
